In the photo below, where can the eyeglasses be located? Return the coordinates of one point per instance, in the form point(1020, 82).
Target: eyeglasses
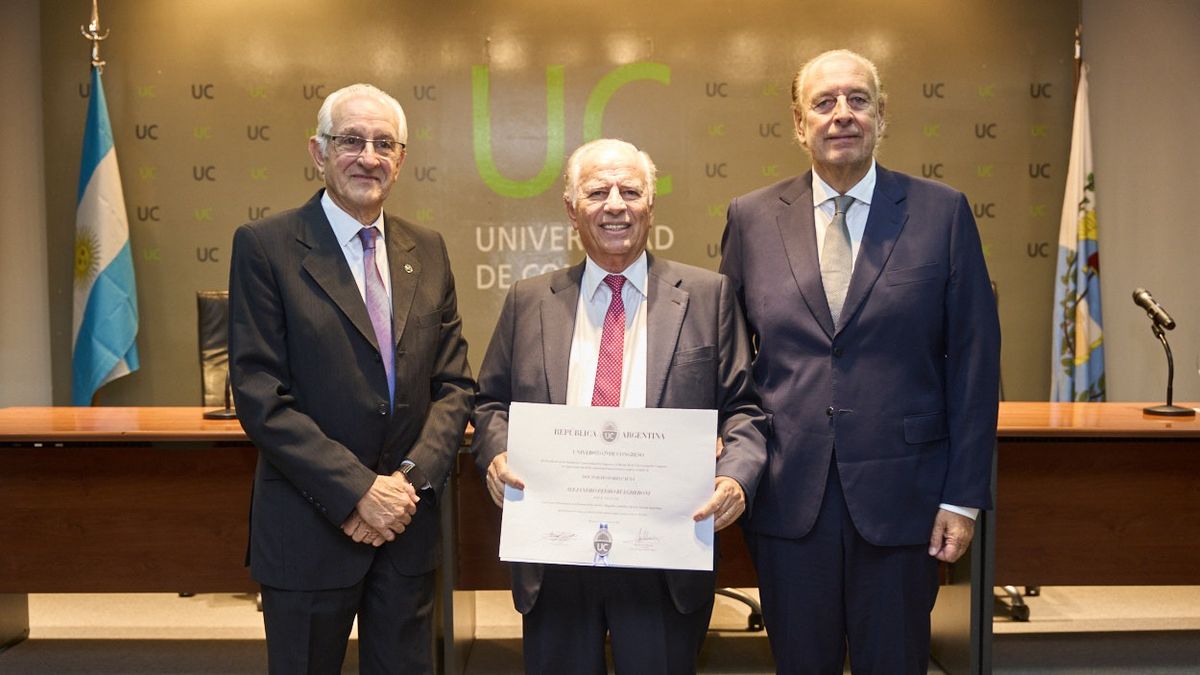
point(856, 101)
point(355, 145)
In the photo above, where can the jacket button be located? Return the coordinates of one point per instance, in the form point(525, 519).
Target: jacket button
point(381, 409)
point(829, 411)
point(837, 351)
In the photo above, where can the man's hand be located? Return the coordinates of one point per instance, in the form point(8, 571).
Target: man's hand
point(389, 505)
point(498, 476)
point(720, 446)
point(951, 536)
point(727, 503)
point(360, 532)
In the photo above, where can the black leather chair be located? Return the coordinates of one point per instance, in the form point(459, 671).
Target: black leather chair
point(212, 311)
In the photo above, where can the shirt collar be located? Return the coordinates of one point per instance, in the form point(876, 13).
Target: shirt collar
point(593, 276)
point(862, 190)
point(345, 227)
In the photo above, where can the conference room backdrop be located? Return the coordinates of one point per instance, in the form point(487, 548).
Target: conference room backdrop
point(212, 104)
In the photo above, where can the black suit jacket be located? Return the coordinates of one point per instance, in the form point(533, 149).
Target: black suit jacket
point(906, 387)
point(312, 395)
point(697, 356)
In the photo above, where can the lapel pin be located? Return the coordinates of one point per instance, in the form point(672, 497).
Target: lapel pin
point(408, 268)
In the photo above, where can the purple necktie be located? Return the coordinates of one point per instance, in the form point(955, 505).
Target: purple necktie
point(379, 308)
point(607, 391)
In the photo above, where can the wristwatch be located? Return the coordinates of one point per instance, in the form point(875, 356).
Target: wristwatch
point(414, 475)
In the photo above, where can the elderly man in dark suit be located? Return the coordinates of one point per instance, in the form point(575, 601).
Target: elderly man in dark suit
point(680, 343)
point(878, 354)
point(350, 374)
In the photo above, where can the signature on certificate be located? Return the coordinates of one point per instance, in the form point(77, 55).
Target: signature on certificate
point(558, 537)
point(645, 541)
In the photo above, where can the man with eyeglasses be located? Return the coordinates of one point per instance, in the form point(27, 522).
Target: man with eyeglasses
point(868, 298)
point(350, 375)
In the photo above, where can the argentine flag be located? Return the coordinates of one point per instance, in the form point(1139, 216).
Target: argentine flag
point(104, 331)
point(1077, 352)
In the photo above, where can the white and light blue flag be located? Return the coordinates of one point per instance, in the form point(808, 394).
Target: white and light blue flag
point(105, 326)
point(1077, 353)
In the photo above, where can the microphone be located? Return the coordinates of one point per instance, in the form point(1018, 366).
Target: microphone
point(1154, 310)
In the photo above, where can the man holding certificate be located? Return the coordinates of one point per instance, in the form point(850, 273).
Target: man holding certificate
point(622, 329)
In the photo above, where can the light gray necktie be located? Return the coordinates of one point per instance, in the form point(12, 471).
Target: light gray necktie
point(837, 259)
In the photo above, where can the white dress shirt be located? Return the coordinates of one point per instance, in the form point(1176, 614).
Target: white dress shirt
point(856, 215)
point(594, 298)
point(346, 229)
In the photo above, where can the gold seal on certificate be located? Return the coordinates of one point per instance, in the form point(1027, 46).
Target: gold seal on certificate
point(609, 486)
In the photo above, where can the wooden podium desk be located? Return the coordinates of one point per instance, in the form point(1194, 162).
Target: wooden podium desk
point(117, 500)
point(157, 499)
point(1096, 494)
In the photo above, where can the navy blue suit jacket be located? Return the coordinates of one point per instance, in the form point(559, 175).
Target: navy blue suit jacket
point(906, 388)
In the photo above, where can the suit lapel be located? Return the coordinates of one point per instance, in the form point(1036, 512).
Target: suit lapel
point(666, 304)
point(326, 264)
point(404, 267)
point(558, 328)
point(884, 223)
point(799, 236)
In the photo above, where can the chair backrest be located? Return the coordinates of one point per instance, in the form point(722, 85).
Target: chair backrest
point(996, 295)
point(212, 311)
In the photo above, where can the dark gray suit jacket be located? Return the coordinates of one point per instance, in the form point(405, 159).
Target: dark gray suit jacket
point(312, 395)
point(697, 357)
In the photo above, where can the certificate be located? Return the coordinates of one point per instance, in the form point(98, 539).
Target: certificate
point(609, 486)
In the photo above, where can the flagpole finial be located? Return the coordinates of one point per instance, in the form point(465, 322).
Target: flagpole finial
point(92, 32)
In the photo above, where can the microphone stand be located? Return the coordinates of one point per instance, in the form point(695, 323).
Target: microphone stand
point(1168, 410)
point(229, 413)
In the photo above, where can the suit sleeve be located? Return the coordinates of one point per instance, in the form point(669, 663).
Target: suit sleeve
point(495, 389)
point(743, 424)
point(323, 470)
point(972, 331)
point(731, 252)
point(452, 391)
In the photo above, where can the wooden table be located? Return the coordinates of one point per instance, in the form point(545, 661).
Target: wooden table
point(156, 499)
point(119, 500)
point(1096, 494)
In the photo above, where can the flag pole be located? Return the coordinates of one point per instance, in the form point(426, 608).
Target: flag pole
point(104, 313)
point(1078, 40)
point(92, 33)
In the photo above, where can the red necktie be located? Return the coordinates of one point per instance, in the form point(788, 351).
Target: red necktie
point(607, 391)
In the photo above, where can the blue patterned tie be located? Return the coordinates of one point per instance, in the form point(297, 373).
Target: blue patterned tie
point(379, 308)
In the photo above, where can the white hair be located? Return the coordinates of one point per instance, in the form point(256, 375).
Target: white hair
point(325, 114)
point(575, 163)
point(800, 81)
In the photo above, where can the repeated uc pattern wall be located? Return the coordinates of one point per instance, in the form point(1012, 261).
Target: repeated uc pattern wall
point(212, 104)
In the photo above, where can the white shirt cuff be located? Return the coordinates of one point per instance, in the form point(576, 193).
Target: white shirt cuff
point(968, 511)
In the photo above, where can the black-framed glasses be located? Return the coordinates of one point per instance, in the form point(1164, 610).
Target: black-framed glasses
point(356, 145)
